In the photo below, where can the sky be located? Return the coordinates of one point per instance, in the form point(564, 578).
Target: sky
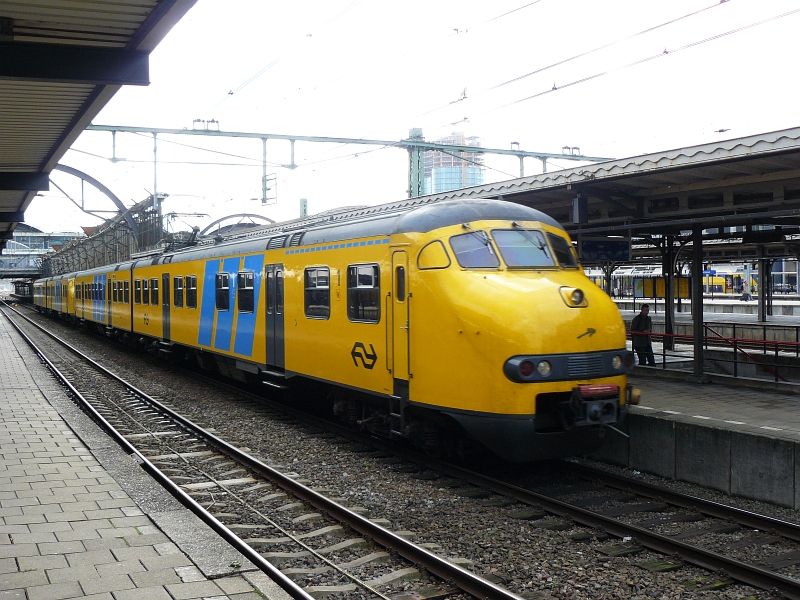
point(615, 78)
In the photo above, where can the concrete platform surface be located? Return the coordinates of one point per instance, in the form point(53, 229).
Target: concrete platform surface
point(79, 518)
point(738, 440)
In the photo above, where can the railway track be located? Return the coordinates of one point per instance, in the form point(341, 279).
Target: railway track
point(620, 516)
point(288, 530)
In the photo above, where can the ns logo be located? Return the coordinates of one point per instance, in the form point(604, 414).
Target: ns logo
point(368, 359)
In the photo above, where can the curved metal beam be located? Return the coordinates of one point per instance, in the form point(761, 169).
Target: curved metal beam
point(126, 214)
point(242, 216)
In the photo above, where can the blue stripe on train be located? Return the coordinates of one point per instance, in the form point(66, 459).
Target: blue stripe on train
point(246, 322)
point(207, 304)
point(222, 336)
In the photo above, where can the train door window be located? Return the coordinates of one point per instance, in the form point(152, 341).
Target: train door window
point(364, 293)
point(77, 291)
point(270, 292)
point(113, 291)
point(177, 294)
point(318, 293)
point(126, 293)
point(191, 291)
point(278, 292)
point(145, 291)
point(154, 292)
point(223, 286)
point(245, 291)
point(400, 279)
point(102, 292)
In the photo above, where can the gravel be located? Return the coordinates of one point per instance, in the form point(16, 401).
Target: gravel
point(530, 560)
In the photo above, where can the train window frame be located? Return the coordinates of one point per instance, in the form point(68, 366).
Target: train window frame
point(222, 287)
point(177, 291)
point(317, 293)
point(246, 292)
point(126, 291)
point(145, 291)
point(270, 293)
point(362, 296)
point(154, 291)
point(191, 291)
point(487, 243)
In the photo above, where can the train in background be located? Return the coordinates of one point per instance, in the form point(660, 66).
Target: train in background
point(436, 323)
point(728, 279)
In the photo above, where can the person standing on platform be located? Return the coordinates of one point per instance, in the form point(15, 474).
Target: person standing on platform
point(641, 326)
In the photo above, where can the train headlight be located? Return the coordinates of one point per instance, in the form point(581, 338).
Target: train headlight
point(616, 362)
point(577, 297)
point(526, 368)
point(543, 368)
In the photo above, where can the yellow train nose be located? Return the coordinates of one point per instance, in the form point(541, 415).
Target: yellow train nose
point(634, 396)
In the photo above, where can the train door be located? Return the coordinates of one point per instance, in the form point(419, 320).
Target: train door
point(165, 296)
point(275, 309)
point(400, 317)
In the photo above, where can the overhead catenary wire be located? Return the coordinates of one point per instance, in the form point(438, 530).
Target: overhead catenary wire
point(666, 52)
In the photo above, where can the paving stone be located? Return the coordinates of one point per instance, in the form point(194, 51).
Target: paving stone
point(10, 550)
point(112, 583)
point(8, 565)
point(23, 579)
point(233, 585)
point(94, 557)
point(123, 567)
point(150, 593)
point(197, 589)
point(158, 577)
point(61, 547)
point(28, 563)
point(72, 574)
point(55, 591)
point(134, 553)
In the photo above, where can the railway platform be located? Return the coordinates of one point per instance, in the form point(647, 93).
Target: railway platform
point(79, 518)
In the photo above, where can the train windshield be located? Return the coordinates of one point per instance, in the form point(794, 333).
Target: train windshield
point(474, 250)
point(564, 252)
point(523, 248)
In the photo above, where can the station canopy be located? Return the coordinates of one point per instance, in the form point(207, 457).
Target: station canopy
point(62, 61)
point(750, 183)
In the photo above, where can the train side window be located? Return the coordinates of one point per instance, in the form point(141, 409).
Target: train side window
point(126, 295)
point(137, 291)
point(102, 292)
point(270, 292)
point(191, 291)
point(154, 292)
point(223, 291)
point(145, 291)
point(318, 293)
point(245, 291)
point(278, 292)
point(113, 291)
point(433, 256)
point(177, 294)
point(564, 251)
point(77, 291)
point(364, 293)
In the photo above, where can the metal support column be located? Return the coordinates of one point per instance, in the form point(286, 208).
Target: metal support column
point(544, 164)
point(264, 172)
point(763, 285)
point(697, 304)
point(416, 172)
point(667, 260)
point(522, 166)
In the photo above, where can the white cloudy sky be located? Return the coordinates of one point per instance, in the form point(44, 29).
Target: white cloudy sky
point(364, 68)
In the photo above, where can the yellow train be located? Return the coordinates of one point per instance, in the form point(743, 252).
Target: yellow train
point(425, 321)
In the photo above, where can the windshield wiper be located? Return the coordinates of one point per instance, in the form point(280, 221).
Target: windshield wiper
point(482, 236)
point(539, 243)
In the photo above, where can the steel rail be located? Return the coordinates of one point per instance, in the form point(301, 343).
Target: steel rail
point(710, 508)
point(442, 568)
point(737, 570)
point(289, 586)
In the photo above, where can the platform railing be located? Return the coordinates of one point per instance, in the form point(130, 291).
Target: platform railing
point(741, 350)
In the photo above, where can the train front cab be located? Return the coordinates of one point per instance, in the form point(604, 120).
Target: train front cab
point(468, 324)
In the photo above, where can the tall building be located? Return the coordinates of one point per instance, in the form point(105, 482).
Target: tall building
point(445, 171)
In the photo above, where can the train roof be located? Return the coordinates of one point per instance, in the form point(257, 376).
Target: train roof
point(386, 219)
